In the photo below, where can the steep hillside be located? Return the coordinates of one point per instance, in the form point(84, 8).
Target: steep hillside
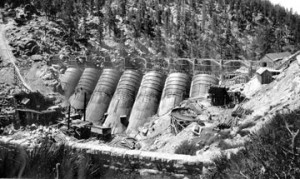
point(46, 35)
point(227, 29)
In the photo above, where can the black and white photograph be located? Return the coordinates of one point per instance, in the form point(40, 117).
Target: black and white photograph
point(150, 89)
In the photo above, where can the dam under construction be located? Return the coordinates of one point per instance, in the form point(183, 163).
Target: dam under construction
point(149, 89)
point(112, 117)
point(125, 100)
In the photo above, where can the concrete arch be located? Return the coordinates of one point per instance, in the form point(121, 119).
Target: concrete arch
point(216, 62)
point(242, 62)
point(190, 62)
point(181, 64)
point(172, 60)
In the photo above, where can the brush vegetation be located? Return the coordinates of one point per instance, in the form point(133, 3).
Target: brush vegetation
point(226, 29)
point(274, 153)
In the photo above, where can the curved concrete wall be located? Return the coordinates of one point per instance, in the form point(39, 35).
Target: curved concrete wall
point(86, 85)
point(123, 100)
point(201, 84)
point(102, 95)
point(176, 89)
point(69, 80)
point(147, 101)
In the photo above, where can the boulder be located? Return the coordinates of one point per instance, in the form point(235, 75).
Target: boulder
point(24, 57)
point(36, 58)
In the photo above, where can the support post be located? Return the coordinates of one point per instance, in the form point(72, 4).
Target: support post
point(250, 69)
point(84, 107)
point(222, 70)
point(194, 66)
point(69, 117)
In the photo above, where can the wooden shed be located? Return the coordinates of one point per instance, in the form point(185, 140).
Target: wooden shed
point(272, 60)
point(265, 75)
point(28, 116)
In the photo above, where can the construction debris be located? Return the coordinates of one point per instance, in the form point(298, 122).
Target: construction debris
point(180, 121)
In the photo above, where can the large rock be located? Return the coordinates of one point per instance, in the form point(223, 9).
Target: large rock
point(36, 58)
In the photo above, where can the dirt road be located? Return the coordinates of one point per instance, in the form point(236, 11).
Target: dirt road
point(8, 58)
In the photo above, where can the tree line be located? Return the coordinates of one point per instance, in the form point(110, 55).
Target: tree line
point(227, 29)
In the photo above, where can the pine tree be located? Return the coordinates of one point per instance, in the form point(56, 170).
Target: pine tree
point(84, 14)
point(46, 6)
point(203, 14)
point(123, 4)
point(92, 4)
point(167, 21)
point(100, 3)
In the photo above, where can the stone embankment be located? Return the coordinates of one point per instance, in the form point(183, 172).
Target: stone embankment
point(127, 160)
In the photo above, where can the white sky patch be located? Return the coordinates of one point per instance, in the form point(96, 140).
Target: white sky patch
point(294, 4)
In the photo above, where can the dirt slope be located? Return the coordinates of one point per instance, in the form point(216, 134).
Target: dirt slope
point(8, 58)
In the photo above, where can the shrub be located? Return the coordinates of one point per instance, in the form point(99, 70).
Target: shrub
point(187, 148)
point(274, 153)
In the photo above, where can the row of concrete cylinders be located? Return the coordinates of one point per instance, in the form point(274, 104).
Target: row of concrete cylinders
point(129, 94)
